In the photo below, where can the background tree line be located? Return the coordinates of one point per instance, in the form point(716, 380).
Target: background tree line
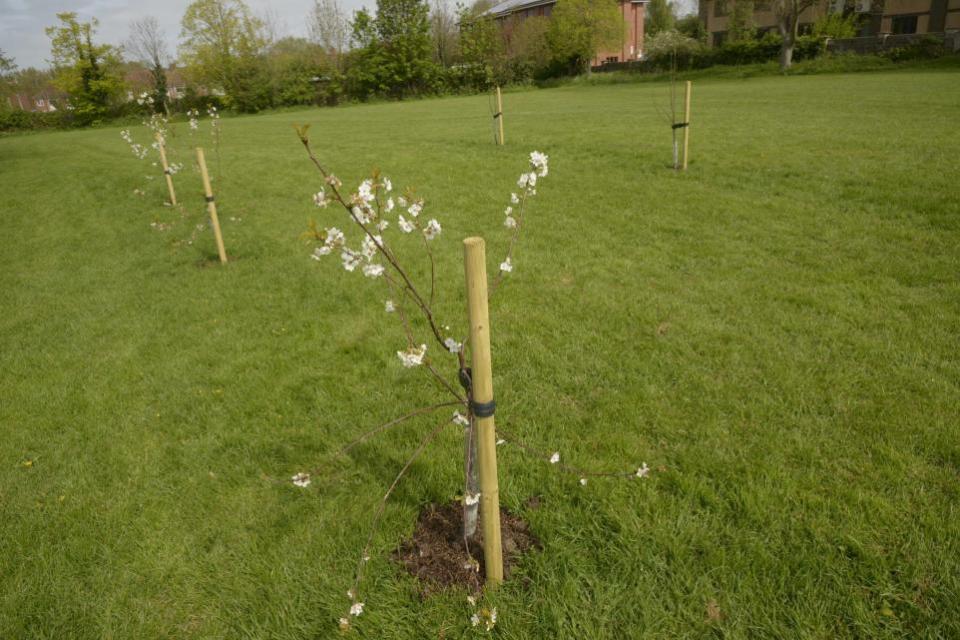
point(229, 55)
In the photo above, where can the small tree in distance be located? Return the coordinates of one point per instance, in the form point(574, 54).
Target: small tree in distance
point(659, 17)
point(148, 44)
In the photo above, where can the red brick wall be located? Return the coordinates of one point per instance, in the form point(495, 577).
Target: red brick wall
point(633, 15)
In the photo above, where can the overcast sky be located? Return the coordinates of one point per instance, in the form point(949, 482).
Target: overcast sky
point(22, 21)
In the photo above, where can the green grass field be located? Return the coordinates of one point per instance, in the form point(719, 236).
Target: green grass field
point(778, 328)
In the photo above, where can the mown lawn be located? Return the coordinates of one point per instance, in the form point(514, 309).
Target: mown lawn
point(777, 329)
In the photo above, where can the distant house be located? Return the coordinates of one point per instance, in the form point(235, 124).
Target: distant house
point(880, 17)
point(632, 10)
point(140, 79)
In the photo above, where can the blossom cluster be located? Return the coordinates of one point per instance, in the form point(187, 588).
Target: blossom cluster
point(145, 98)
point(138, 149)
point(527, 183)
point(194, 116)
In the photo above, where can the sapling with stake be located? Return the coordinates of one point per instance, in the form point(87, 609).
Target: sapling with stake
point(383, 218)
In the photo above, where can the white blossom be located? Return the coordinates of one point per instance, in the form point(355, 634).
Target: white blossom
point(321, 251)
point(432, 230)
point(555, 458)
point(643, 471)
point(506, 265)
point(527, 180)
point(320, 199)
point(344, 624)
point(369, 246)
point(405, 225)
point(373, 270)
point(301, 479)
point(514, 199)
point(413, 356)
point(539, 163)
point(388, 207)
point(365, 192)
point(460, 419)
point(382, 225)
point(472, 600)
point(351, 259)
point(508, 211)
point(452, 345)
point(501, 441)
point(387, 185)
point(402, 202)
point(583, 482)
point(388, 306)
point(509, 222)
point(474, 620)
point(356, 608)
point(333, 181)
point(415, 209)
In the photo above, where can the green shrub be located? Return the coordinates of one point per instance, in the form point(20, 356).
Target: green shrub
point(18, 120)
point(926, 48)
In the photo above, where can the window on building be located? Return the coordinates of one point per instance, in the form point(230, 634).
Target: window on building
point(719, 8)
point(719, 37)
point(903, 24)
point(611, 59)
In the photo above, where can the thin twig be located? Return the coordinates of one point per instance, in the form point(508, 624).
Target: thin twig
point(395, 422)
point(383, 504)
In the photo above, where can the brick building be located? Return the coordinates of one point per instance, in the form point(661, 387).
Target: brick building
point(632, 11)
point(879, 17)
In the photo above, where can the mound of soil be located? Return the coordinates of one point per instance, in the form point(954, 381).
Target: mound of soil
point(436, 554)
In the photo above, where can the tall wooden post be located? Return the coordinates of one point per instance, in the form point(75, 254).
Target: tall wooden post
point(166, 170)
point(211, 205)
point(686, 128)
point(475, 261)
point(500, 116)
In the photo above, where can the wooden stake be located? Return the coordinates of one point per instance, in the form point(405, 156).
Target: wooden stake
point(211, 205)
point(500, 116)
point(686, 129)
point(166, 170)
point(475, 261)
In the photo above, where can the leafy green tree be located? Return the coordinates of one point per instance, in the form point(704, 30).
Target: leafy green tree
point(294, 63)
point(395, 50)
point(528, 52)
point(7, 69)
point(836, 25)
point(403, 29)
point(692, 27)
point(658, 16)
point(222, 47)
point(88, 73)
point(740, 25)
point(482, 49)
point(580, 28)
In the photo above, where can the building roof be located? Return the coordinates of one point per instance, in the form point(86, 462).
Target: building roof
point(511, 6)
point(508, 7)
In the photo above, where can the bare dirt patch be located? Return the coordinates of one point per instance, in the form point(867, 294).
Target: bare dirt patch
point(436, 554)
